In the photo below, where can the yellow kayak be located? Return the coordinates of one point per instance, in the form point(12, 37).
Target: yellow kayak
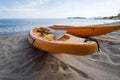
point(68, 44)
point(87, 31)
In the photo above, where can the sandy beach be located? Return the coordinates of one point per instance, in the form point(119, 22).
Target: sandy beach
point(20, 61)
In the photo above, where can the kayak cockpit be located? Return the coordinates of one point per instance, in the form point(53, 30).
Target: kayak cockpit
point(40, 33)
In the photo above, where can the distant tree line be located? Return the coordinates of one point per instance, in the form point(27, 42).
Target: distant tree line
point(113, 17)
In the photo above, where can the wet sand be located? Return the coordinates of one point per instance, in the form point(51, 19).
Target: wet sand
point(20, 61)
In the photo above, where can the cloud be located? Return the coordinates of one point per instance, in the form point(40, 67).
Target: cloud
point(61, 8)
point(27, 9)
point(90, 9)
point(29, 4)
point(34, 3)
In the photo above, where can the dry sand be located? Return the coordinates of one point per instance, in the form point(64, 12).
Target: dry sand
point(20, 61)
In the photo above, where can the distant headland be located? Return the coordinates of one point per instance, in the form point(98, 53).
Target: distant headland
point(76, 18)
point(117, 17)
point(113, 17)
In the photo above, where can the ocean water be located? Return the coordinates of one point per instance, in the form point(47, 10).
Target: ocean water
point(16, 26)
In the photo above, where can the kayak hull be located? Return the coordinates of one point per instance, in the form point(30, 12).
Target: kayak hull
point(69, 45)
point(87, 31)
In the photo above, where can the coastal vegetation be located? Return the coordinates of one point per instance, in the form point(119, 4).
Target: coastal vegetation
point(113, 17)
point(117, 17)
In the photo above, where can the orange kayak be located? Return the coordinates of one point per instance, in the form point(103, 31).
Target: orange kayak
point(68, 44)
point(87, 31)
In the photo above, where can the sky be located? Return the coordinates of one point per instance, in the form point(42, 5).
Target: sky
point(58, 8)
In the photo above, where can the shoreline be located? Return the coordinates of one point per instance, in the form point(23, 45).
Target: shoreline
point(24, 32)
point(13, 33)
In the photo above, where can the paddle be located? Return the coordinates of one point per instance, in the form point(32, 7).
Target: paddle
point(58, 33)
